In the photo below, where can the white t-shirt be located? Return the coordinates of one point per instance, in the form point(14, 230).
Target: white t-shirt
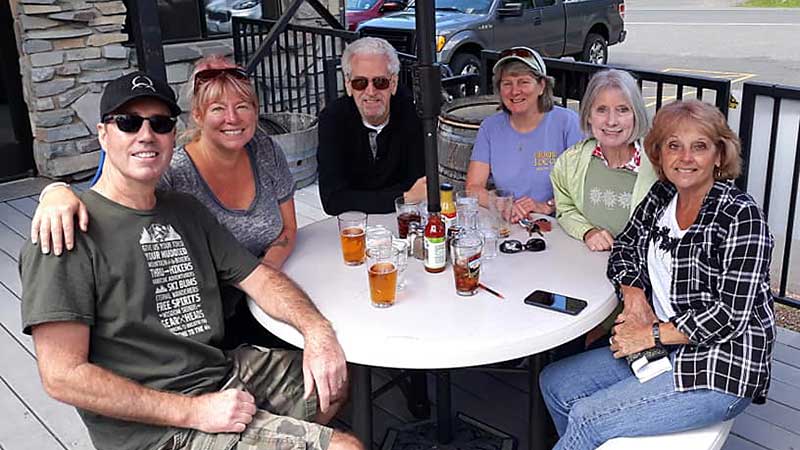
point(659, 259)
point(373, 135)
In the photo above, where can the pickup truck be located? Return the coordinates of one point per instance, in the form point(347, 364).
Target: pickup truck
point(580, 28)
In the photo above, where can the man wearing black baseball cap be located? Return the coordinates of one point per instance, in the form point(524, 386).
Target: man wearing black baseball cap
point(127, 325)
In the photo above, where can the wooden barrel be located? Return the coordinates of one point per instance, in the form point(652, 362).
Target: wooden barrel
point(458, 126)
point(296, 134)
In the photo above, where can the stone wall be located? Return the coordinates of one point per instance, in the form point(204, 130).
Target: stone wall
point(69, 50)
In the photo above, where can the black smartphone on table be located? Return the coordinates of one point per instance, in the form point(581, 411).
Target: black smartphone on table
point(556, 302)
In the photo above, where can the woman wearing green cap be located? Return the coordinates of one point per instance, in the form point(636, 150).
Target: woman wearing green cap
point(519, 145)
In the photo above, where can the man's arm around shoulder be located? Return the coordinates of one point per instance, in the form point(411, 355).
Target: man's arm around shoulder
point(62, 350)
point(324, 365)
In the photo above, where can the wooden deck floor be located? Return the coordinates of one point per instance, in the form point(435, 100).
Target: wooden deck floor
point(32, 420)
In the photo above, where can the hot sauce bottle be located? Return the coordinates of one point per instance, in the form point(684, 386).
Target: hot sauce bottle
point(435, 246)
point(448, 205)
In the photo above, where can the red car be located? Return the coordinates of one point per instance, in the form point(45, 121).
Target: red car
point(358, 11)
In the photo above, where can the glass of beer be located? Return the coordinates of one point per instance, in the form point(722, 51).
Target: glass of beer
point(407, 212)
point(382, 272)
point(466, 255)
point(352, 233)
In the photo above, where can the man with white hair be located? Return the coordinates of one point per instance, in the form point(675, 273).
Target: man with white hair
point(371, 149)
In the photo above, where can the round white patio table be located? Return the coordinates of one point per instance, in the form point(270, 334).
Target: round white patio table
point(430, 326)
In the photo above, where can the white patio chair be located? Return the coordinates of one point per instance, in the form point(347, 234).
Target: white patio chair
point(709, 438)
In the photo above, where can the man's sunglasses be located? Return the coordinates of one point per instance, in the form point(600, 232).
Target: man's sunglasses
point(522, 52)
point(361, 83)
point(209, 74)
point(131, 123)
point(514, 246)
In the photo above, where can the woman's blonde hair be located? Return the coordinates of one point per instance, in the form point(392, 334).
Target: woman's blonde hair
point(710, 122)
point(214, 89)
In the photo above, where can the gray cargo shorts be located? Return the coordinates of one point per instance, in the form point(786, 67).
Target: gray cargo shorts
point(283, 420)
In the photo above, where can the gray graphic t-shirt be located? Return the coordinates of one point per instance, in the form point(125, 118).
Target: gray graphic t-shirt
point(147, 285)
point(259, 225)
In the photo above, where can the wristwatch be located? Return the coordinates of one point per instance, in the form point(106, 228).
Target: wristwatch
point(657, 334)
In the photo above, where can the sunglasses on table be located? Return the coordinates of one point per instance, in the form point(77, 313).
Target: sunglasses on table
point(361, 83)
point(512, 246)
point(131, 123)
point(209, 74)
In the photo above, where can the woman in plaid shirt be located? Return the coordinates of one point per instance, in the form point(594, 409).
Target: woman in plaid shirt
point(692, 267)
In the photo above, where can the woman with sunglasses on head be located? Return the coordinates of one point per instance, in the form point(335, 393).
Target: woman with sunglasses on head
point(229, 164)
point(692, 267)
point(519, 145)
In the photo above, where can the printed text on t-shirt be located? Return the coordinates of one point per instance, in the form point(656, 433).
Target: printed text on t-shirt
point(544, 160)
point(178, 302)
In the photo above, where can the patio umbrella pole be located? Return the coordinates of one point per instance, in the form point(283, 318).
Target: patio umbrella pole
point(427, 93)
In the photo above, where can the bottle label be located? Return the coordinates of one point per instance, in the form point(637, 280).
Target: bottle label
point(435, 255)
point(449, 221)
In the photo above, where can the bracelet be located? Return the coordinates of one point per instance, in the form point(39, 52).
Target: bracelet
point(657, 334)
point(51, 186)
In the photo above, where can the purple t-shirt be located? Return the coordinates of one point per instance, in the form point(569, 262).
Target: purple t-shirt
point(521, 162)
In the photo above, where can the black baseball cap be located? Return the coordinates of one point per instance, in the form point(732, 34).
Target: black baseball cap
point(136, 85)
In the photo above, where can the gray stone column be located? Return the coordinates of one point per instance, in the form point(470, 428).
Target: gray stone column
point(68, 50)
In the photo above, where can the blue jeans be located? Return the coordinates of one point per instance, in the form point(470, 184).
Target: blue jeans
point(593, 398)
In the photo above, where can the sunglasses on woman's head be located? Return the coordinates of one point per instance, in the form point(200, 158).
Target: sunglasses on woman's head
point(511, 246)
point(361, 83)
point(522, 52)
point(131, 123)
point(209, 74)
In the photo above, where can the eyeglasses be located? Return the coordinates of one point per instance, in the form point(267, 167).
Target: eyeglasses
point(536, 226)
point(522, 52)
point(361, 83)
point(131, 123)
point(512, 246)
point(209, 74)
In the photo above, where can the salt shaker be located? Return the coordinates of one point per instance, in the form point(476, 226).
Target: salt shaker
point(416, 240)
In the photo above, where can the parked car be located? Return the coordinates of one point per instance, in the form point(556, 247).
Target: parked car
point(358, 11)
point(219, 13)
point(583, 29)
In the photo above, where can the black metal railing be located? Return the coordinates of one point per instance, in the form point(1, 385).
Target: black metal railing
point(290, 75)
point(572, 77)
point(783, 125)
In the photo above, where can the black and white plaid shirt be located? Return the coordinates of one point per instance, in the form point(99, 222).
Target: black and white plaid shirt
point(720, 288)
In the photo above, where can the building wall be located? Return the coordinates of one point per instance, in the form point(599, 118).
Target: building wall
point(69, 50)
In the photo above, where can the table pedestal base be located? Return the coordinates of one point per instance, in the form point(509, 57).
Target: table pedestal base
point(466, 434)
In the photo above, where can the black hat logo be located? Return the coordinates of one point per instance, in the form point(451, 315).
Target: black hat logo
point(142, 82)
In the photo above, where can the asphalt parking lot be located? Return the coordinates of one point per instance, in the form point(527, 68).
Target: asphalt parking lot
point(711, 38)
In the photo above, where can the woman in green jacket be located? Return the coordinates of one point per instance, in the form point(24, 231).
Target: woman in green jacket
point(598, 182)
